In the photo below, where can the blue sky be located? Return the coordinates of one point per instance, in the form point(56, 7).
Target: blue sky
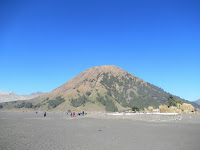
point(43, 44)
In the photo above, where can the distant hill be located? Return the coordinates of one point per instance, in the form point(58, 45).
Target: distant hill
point(11, 96)
point(101, 88)
point(197, 101)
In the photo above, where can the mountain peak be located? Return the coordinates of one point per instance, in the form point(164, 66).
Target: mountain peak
point(92, 74)
point(106, 67)
point(98, 70)
point(109, 68)
point(6, 93)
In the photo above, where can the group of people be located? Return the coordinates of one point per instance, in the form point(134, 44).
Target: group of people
point(73, 114)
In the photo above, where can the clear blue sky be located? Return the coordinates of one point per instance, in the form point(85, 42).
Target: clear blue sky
point(43, 44)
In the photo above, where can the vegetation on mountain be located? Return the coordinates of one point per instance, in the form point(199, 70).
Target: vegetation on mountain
point(171, 101)
point(54, 103)
point(24, 104)
point(81, 100)
point(88, 93)
point(179, 101)
point(108, 103)
point(132, 92)
point(135, 108)
point(37, 105)
point(28, 105)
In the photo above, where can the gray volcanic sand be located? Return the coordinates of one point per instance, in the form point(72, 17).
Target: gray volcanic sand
point(30, 131)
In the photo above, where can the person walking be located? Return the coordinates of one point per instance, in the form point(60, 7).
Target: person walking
point(73, 114)
point(44, 114)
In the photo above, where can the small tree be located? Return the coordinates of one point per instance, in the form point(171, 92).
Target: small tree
point(171, 101)
point(163, 108)
point(180, 101)
point(187, 108)
point(88, 93)
point(150, 108)
point(135, 108)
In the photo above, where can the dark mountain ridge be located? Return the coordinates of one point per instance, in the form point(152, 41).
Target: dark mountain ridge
point(197, 101)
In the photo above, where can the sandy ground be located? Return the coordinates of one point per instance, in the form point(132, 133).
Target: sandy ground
point(30, 131)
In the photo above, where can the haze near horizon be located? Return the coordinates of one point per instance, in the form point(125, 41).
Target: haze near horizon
point(43, 44)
